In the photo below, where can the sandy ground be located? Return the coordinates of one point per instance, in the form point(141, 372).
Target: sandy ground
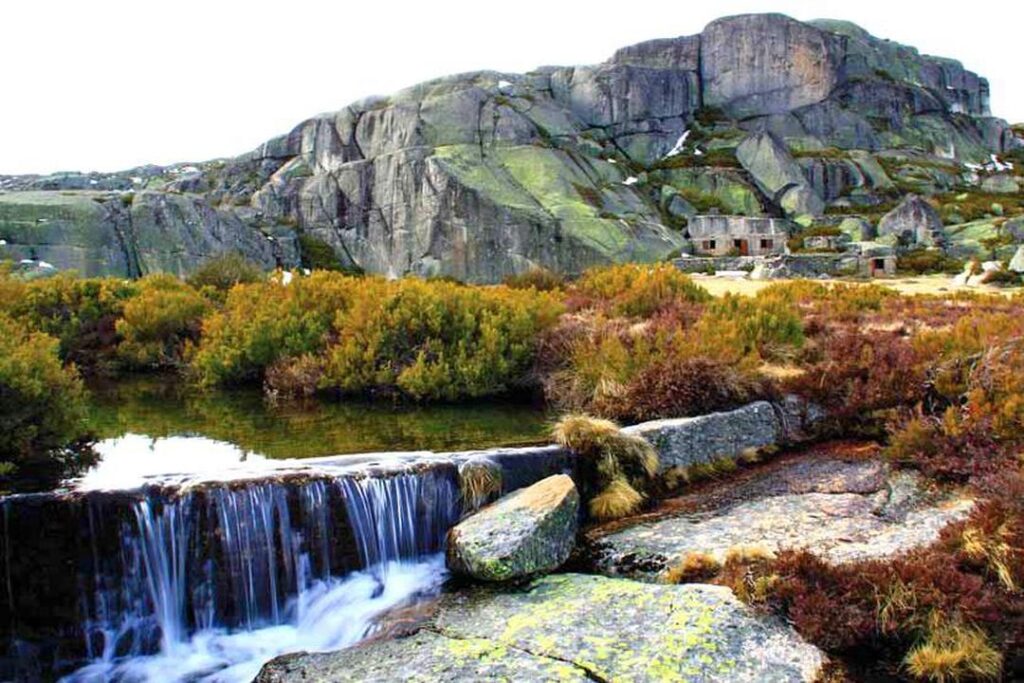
point(923, 284)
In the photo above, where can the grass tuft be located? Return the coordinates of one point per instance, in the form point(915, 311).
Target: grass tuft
point(695, 567)
point(954, 652)
point(479, 482)
point(617, 500)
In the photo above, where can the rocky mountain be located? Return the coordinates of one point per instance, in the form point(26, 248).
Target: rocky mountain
point(485, 174)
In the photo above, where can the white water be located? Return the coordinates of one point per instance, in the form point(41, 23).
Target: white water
point(329, 615)
point(208, 586)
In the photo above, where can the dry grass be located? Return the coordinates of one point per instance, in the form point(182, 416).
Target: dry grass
point(695, 567)
point(954, 652)
point(479, 482)
point(991, 550)
point(617, 500)
point(748, 554)
point(583, 433)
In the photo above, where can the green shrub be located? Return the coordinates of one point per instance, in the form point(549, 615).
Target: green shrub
point(316, 254)
point(927, 261)
point(159, 322)
point(637, 289)
point(263, 322)
point(766, 325)
point(541, 279)
point(42, 409)
point(437, 340)
point(81, 313)
point(225, 271)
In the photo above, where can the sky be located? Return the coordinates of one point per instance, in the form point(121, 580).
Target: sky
point(110, 84)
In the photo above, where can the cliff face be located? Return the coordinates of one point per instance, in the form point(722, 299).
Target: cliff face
point(481, 175)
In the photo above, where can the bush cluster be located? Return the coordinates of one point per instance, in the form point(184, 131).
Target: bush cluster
point(42, 410)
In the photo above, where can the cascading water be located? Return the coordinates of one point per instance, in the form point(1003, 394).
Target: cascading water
point(209, 585)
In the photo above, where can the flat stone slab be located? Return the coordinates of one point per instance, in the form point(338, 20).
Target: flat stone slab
point(842, 511)
point(577, 627)
point(529, 531)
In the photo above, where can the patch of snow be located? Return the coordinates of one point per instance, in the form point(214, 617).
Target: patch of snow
point(3, 243)
point(502, 85)
point(973, 167)
point(94, 182)
point(44, 264)
point(697, 152)
point(612, 161)
point(26, 261)
point(136, 180)
point(307, 271)
point(631, 180)
point(286, 277)
point(678, 147)
point(997, 165)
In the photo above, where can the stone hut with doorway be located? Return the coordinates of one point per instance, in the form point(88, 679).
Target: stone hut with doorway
point(712, 235)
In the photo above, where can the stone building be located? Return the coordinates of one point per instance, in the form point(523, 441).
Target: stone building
point(712, 235)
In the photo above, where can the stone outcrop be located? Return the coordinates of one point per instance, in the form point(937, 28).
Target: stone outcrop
point(1017, 262)
point(842, 510)
point(778, 175)
point(576, 627)
point(531, 531)
point(913, 223)
point(482, 175)
point(687, 441)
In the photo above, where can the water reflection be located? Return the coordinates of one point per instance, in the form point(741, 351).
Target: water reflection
point(241, 420)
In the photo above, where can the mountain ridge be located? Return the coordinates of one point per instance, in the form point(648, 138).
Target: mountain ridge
point(485, 174)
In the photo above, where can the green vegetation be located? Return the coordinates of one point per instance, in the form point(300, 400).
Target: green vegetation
point(42, 410)
point(224, 272)
point(159, 323)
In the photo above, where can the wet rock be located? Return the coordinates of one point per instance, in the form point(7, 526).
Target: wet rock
point(577, 627)
point(913, 223)
point(528, 532)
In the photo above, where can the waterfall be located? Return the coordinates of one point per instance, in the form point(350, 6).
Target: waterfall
point(209, 584)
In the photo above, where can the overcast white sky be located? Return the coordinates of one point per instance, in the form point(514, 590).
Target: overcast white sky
point(107, 85)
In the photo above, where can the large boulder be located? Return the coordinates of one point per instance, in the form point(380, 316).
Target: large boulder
point(574, 627)
point(778, 175)
point(914, 223)
point(758, 64)
point(530, 531)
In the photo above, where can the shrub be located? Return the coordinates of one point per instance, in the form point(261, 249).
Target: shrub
point(437, 340)
point(293, 377)
point(770, 326)
point(42, 410)
point(637, 290)
point(317, 254)
point(860, 374)
point(81, 313)
point(687, 386)
point(263, 322)
point(225, 271)
point(157, 324)
point(926, 261)
point(541, 279)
